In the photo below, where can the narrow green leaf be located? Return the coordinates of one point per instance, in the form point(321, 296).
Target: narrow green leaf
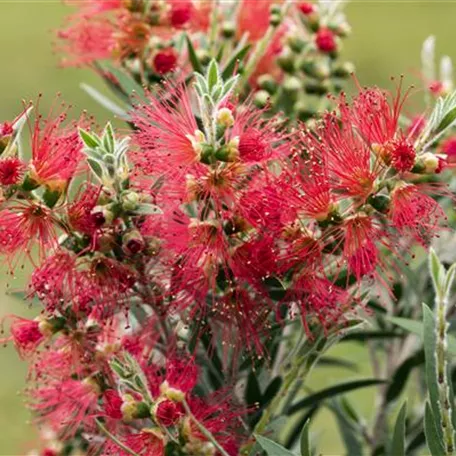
point(447, 121)
point(348, 430)
point(105, 101)
point(95, 167)
point(89, 139)
point(416, 327)
point(272, 448)
point(437, 272)
point(306, 449)
point(196, 64)
point(398, 443)
point(271, 390)
point(212, 75)
point(449, 279)
point(429, 337)
point(230, 66)
point(433, 440)
point(108, 138)
point(331, 392)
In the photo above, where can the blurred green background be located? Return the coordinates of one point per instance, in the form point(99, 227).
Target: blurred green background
point(386, 41)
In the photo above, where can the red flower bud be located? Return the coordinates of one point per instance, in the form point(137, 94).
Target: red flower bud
point(306, 8)
point(11, 170)
point(325, 40)
point(165, 61)
point(168, 413)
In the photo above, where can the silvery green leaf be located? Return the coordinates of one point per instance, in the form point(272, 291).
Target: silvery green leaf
point(201, 83)
point(213, 75)
point(89, 139)
point(428, 58)
point(446, 71)
point(108, 138)
point(96, 167)
point(147, 209)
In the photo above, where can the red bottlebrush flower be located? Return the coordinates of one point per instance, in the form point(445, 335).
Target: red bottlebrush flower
point(375, 114)
point(448, 147)
point(415, 214)
point(80, 210)
point(402, 154)
point(360, 250)
point(26, 335)
point(147, 442)
point(181, 13)
point(112, 403)
point(346, 156)
point(131, 37)
point(23, 225)
point(56, 151)
point(165, 128)
point(11, 171)
point(436, 88)
point(325, 40)
point(53, 281)
point(167, 413)
point(181, 374)
point(306, 8)
point(165, 61)
point(260, 140)
point(112, 276)
point(221, 418)
point(66, 405)
point(87, 40)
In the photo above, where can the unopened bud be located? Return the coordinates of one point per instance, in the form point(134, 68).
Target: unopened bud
point(228, 29)
point(296, 43)
point(130, 201)
point(268, 83)
point(316, 68)
point(286, 60)
point(133, 242)
point(380, 202)
point(229, 152)
point(101, 216)
point(132, 409)
point(203, 56)
point(304, 111)
point(431, 162)
point(261, 99)
point(225, 117)
point(171, 393)
point(343, 70)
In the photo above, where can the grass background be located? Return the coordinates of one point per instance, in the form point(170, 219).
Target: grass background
point(386, 41)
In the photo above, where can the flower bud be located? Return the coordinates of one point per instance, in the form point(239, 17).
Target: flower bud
point(268, 83)
point(229, 152)
point(292, 85)
point(343, 70)
point(153, 246)
point(203, 56)
point(286, 60)
point(303, 111)
point(225, 117)
point(316, 68)
point(130, 200)
point(101, 216)
point(296, 43)
point(317, 88)
point(431, 162)
point(261, 99)
point(228, 29)
point(133, 243)
point(171, 393)
point(132, 409)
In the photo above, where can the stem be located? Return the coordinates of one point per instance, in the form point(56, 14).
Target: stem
point(261, 47)
point(204, 430)
point(441, 303)
point(114, 439)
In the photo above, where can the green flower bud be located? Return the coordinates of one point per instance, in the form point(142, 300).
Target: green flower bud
point(343, 70)
point(261, 99)
point(380, 202)
point(286, 60)
point(130, 200)
point(203, 56)
point(133, 242)
point(317, 88)
point(297, 44)
point(318, 69)
point(228, 29)
point(268, 83)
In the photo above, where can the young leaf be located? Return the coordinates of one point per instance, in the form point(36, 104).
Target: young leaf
point(89, 139)
point(95, 167)
point(306, 449)
point(433, 440)
point(253, 391)
point(234, 60)
point(272, 448)
point(108, 138)
point(147, 209)
point(398, 443)
point(212, 75)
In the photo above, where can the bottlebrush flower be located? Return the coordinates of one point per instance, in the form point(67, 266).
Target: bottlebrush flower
point(112, 404)
point(166, 134)
point(24, 225)
point(253, 18)
point(66, 405)
point(11, 171)
point(80, 210)
point(167, 413)
point(448, 147)
point(56, 151)
point(415, 214)
point(86, 40)
point(147, 442)
point(27, 335)
point(131, 37)
point(181, 13)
